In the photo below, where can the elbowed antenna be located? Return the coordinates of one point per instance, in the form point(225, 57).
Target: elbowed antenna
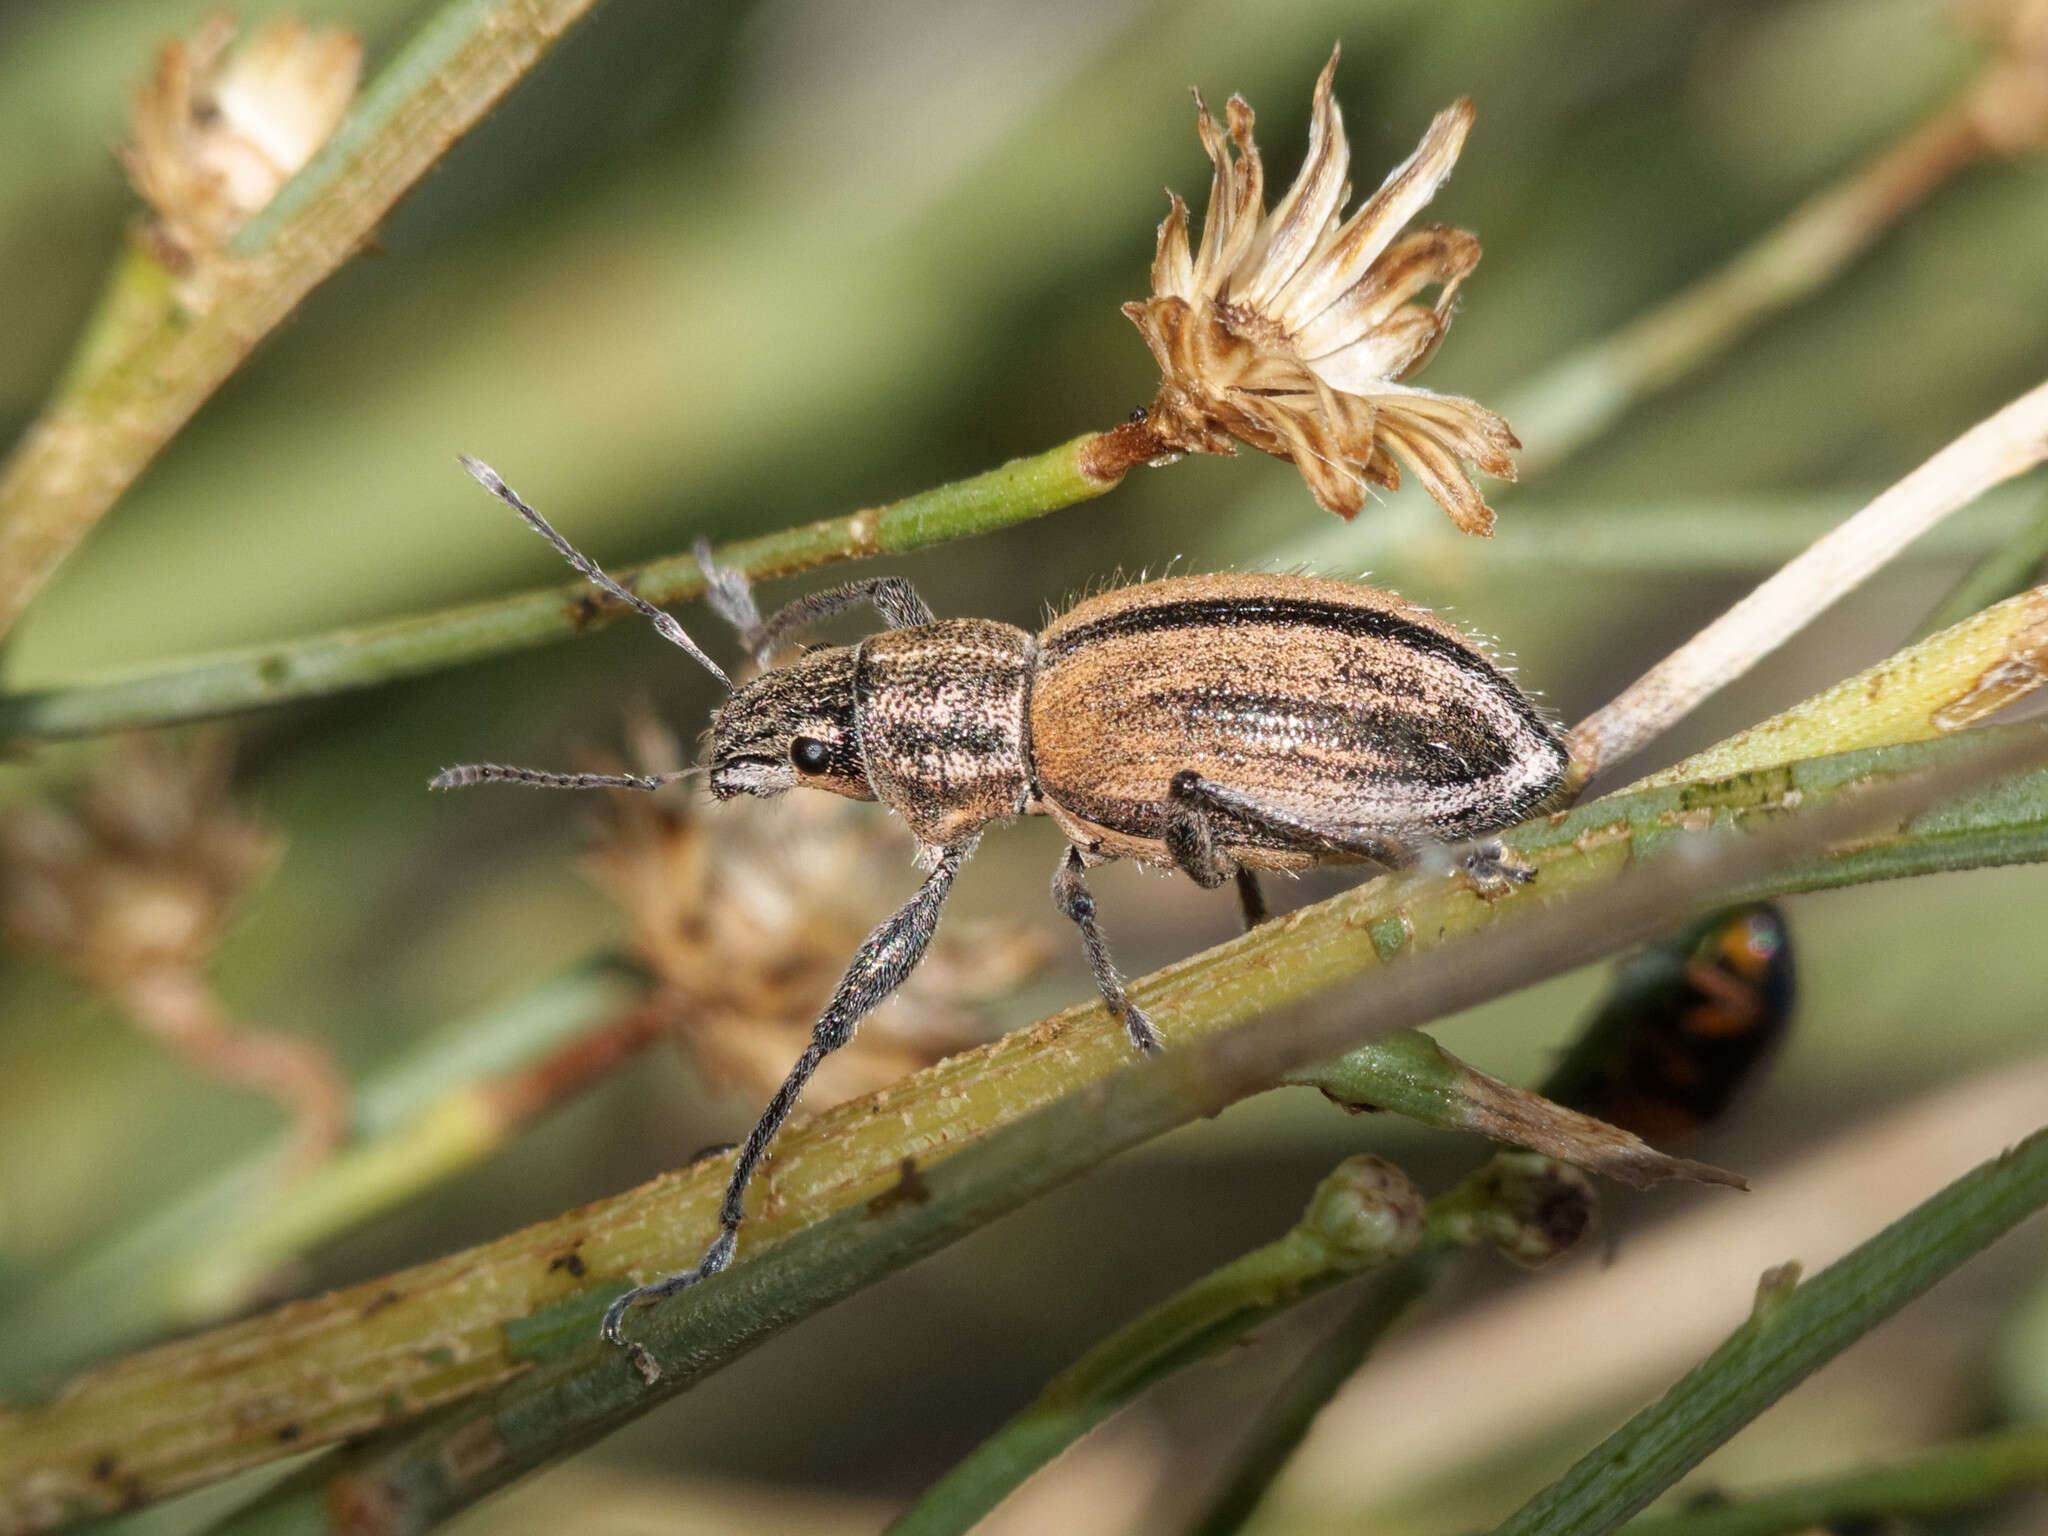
point(664, 623)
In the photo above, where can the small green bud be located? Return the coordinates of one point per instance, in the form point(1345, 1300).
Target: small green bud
point(1366, 1212)
point(1533, 1209)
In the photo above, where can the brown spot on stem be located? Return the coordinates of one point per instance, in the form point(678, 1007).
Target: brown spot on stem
point(864, 533)
point(380, 1301)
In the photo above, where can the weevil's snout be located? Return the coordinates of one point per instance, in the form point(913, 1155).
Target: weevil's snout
point(791, 727)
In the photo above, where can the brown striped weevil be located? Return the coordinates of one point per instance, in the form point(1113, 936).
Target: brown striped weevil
point(1218, 725)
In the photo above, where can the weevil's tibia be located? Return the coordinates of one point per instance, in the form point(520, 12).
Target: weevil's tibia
point(664, 623)
point(881, 964)
point(1076, 902)
point(1192, 802)
point(465, 774)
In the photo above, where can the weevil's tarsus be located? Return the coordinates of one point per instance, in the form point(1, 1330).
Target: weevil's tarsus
point(1076, 903)
point(728, 593)
point(883, 962)
point(1193, 804)
point(1493, 870)
point(465, 774)
point(1250, 899)
point(664, 623)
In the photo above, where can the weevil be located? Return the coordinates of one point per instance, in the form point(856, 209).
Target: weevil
point(1218, 725)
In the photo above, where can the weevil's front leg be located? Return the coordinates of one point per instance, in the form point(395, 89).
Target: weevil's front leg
point(1076, 902)
point(881, 964)
point(1193, 804)
point(732, 599)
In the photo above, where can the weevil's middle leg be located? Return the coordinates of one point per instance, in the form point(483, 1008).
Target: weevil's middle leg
point(1076, 902)
point(881, 964)
point(1193, 803)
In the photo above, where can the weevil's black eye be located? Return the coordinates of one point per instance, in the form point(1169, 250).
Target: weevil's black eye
point(809, 754)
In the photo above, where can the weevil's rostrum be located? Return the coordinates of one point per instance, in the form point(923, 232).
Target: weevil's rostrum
point(1213, 724)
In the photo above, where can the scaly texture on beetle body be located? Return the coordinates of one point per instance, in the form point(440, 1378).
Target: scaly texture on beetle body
point(1217, 724)
point(942, 723)
point(1340, 703)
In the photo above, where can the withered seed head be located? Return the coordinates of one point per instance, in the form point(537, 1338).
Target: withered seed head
point(1291, 330)
point(218, 129)
point(747, 915)
point(140, 874)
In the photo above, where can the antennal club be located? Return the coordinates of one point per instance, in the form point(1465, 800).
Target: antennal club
point(664, 623)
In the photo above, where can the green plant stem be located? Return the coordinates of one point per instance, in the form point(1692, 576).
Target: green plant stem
point(580, 1388)
point(2004, 572)
point(2005, 444)
point(258, 676)
point(383, 1352)
point(1575, 400)
point(1791, 1335)
point(1331, 1361)
point(1189, 1326)
point(130, 393)
point(437, 1109)
point(1284, 1422)
point(1933, 688)
point(1957, 1476)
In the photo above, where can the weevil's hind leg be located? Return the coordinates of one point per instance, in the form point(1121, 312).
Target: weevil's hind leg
point(1251, 899)
point(1193, 804)
point(1076, 902)
point(879, 967)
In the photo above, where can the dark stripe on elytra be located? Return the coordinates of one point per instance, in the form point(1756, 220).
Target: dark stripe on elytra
point(1444, 753)
point(1354, 621)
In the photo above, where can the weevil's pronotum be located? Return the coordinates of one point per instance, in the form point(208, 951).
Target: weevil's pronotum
point(1217, 725)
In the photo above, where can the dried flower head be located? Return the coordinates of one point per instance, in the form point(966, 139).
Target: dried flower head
point(748, 915)
point(131, 887)
point(218, 129)
point(1291, 330)
point(140, 874)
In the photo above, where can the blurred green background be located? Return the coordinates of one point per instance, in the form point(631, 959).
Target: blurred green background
point(719, 269)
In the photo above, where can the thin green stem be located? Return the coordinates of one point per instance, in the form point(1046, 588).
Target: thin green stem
point(411, 1124)
point(1961, 1475)
point(129, 396)
point(1331, 1361)
point(256, 677)
point(1792, 1334)
point(381, 1353)
point(1575, 400)
point(1363, 1216)
point(2007, 570)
